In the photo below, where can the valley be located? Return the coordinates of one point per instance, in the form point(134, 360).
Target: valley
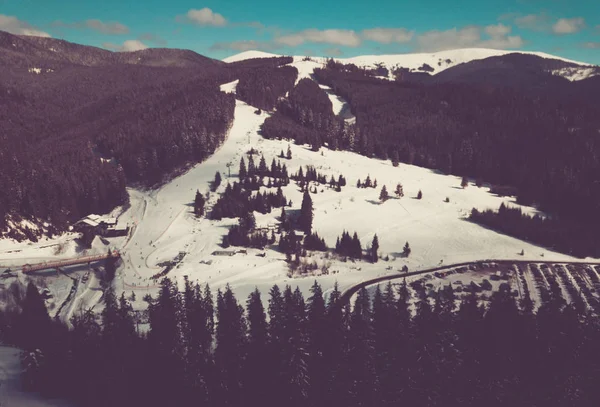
point(163, 226)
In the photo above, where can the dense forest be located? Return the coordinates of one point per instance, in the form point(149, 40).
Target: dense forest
point(561, 235)
point(92, 121)
point(312, 352)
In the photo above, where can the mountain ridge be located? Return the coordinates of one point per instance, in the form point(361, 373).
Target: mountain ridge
point(437, 61)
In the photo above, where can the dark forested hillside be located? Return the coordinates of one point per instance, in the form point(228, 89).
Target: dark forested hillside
point(262, 87)
point(78, 123)
point(306, 116)
point(28, 52)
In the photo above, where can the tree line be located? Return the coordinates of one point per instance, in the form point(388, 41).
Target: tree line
point(282, 349)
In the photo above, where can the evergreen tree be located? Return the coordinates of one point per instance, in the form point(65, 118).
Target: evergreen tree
point(216, 182)
point(356, 251)
point(166, 342)
point(262, 166)
point(419, 194)
point(464, 182)
point(373, 256)
point(383, 195)
point(242, 173)
point(316, 347)
point(257, 386)
point(395, 158)
point(33, 324)
point(406, 250)
point(251, 166)
point(289, 153)
point(399, 190)
point(199, 203)
point(248, 222)
point(364, 389)
point(306, 214)
point(230, 347)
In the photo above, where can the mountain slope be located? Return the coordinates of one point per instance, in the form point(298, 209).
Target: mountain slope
point(28, 52)
point(520, 70)
point(437, 62)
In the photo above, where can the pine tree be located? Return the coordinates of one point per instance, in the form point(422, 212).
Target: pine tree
point(399, 190)
point(262, 166)
point(419, 194)
point(383, 195)
point(257, 385)
point(199, 203)
point(306, 214)
point(251, 166)
point(356, 248)
point(406, 251)
point(373, 256)
point(216, 182)
point(289, 153)
point(364, 380)
point(248, 222)
point(395, 158)
point(242, 173)
point(464, 182)
point(316, 347)
point(230, 346)
point(33, 324)
point(166, 341)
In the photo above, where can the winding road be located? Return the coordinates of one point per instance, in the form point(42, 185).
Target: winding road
point(348, 293)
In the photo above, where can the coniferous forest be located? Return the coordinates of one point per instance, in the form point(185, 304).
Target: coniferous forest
point(278, 348)
point(94, 121)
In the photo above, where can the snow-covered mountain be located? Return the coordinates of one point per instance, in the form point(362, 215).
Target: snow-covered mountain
point(437, 61)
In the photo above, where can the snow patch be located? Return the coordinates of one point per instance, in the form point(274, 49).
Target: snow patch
point(576, 74)
point(230, 87)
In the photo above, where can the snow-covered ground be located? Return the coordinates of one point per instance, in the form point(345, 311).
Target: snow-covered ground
point(439, 61)
point(437, 231)
point(163, 224)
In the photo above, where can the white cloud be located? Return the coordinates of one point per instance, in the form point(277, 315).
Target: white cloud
point(592, 45)
point(388, 35)
point(206, 16)
point(568, 25)
point(15, 26)
point(153, 38)
point(127, 46)
point(536, 22)
point(347, 38)
point(333, 52)
point(499, 30)
point(469, 37)
point(246, 45)
point(111, 27)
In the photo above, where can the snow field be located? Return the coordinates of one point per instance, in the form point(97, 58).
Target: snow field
point(437, 231)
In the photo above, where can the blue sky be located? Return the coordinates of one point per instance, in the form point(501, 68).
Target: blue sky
point(570, 29)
